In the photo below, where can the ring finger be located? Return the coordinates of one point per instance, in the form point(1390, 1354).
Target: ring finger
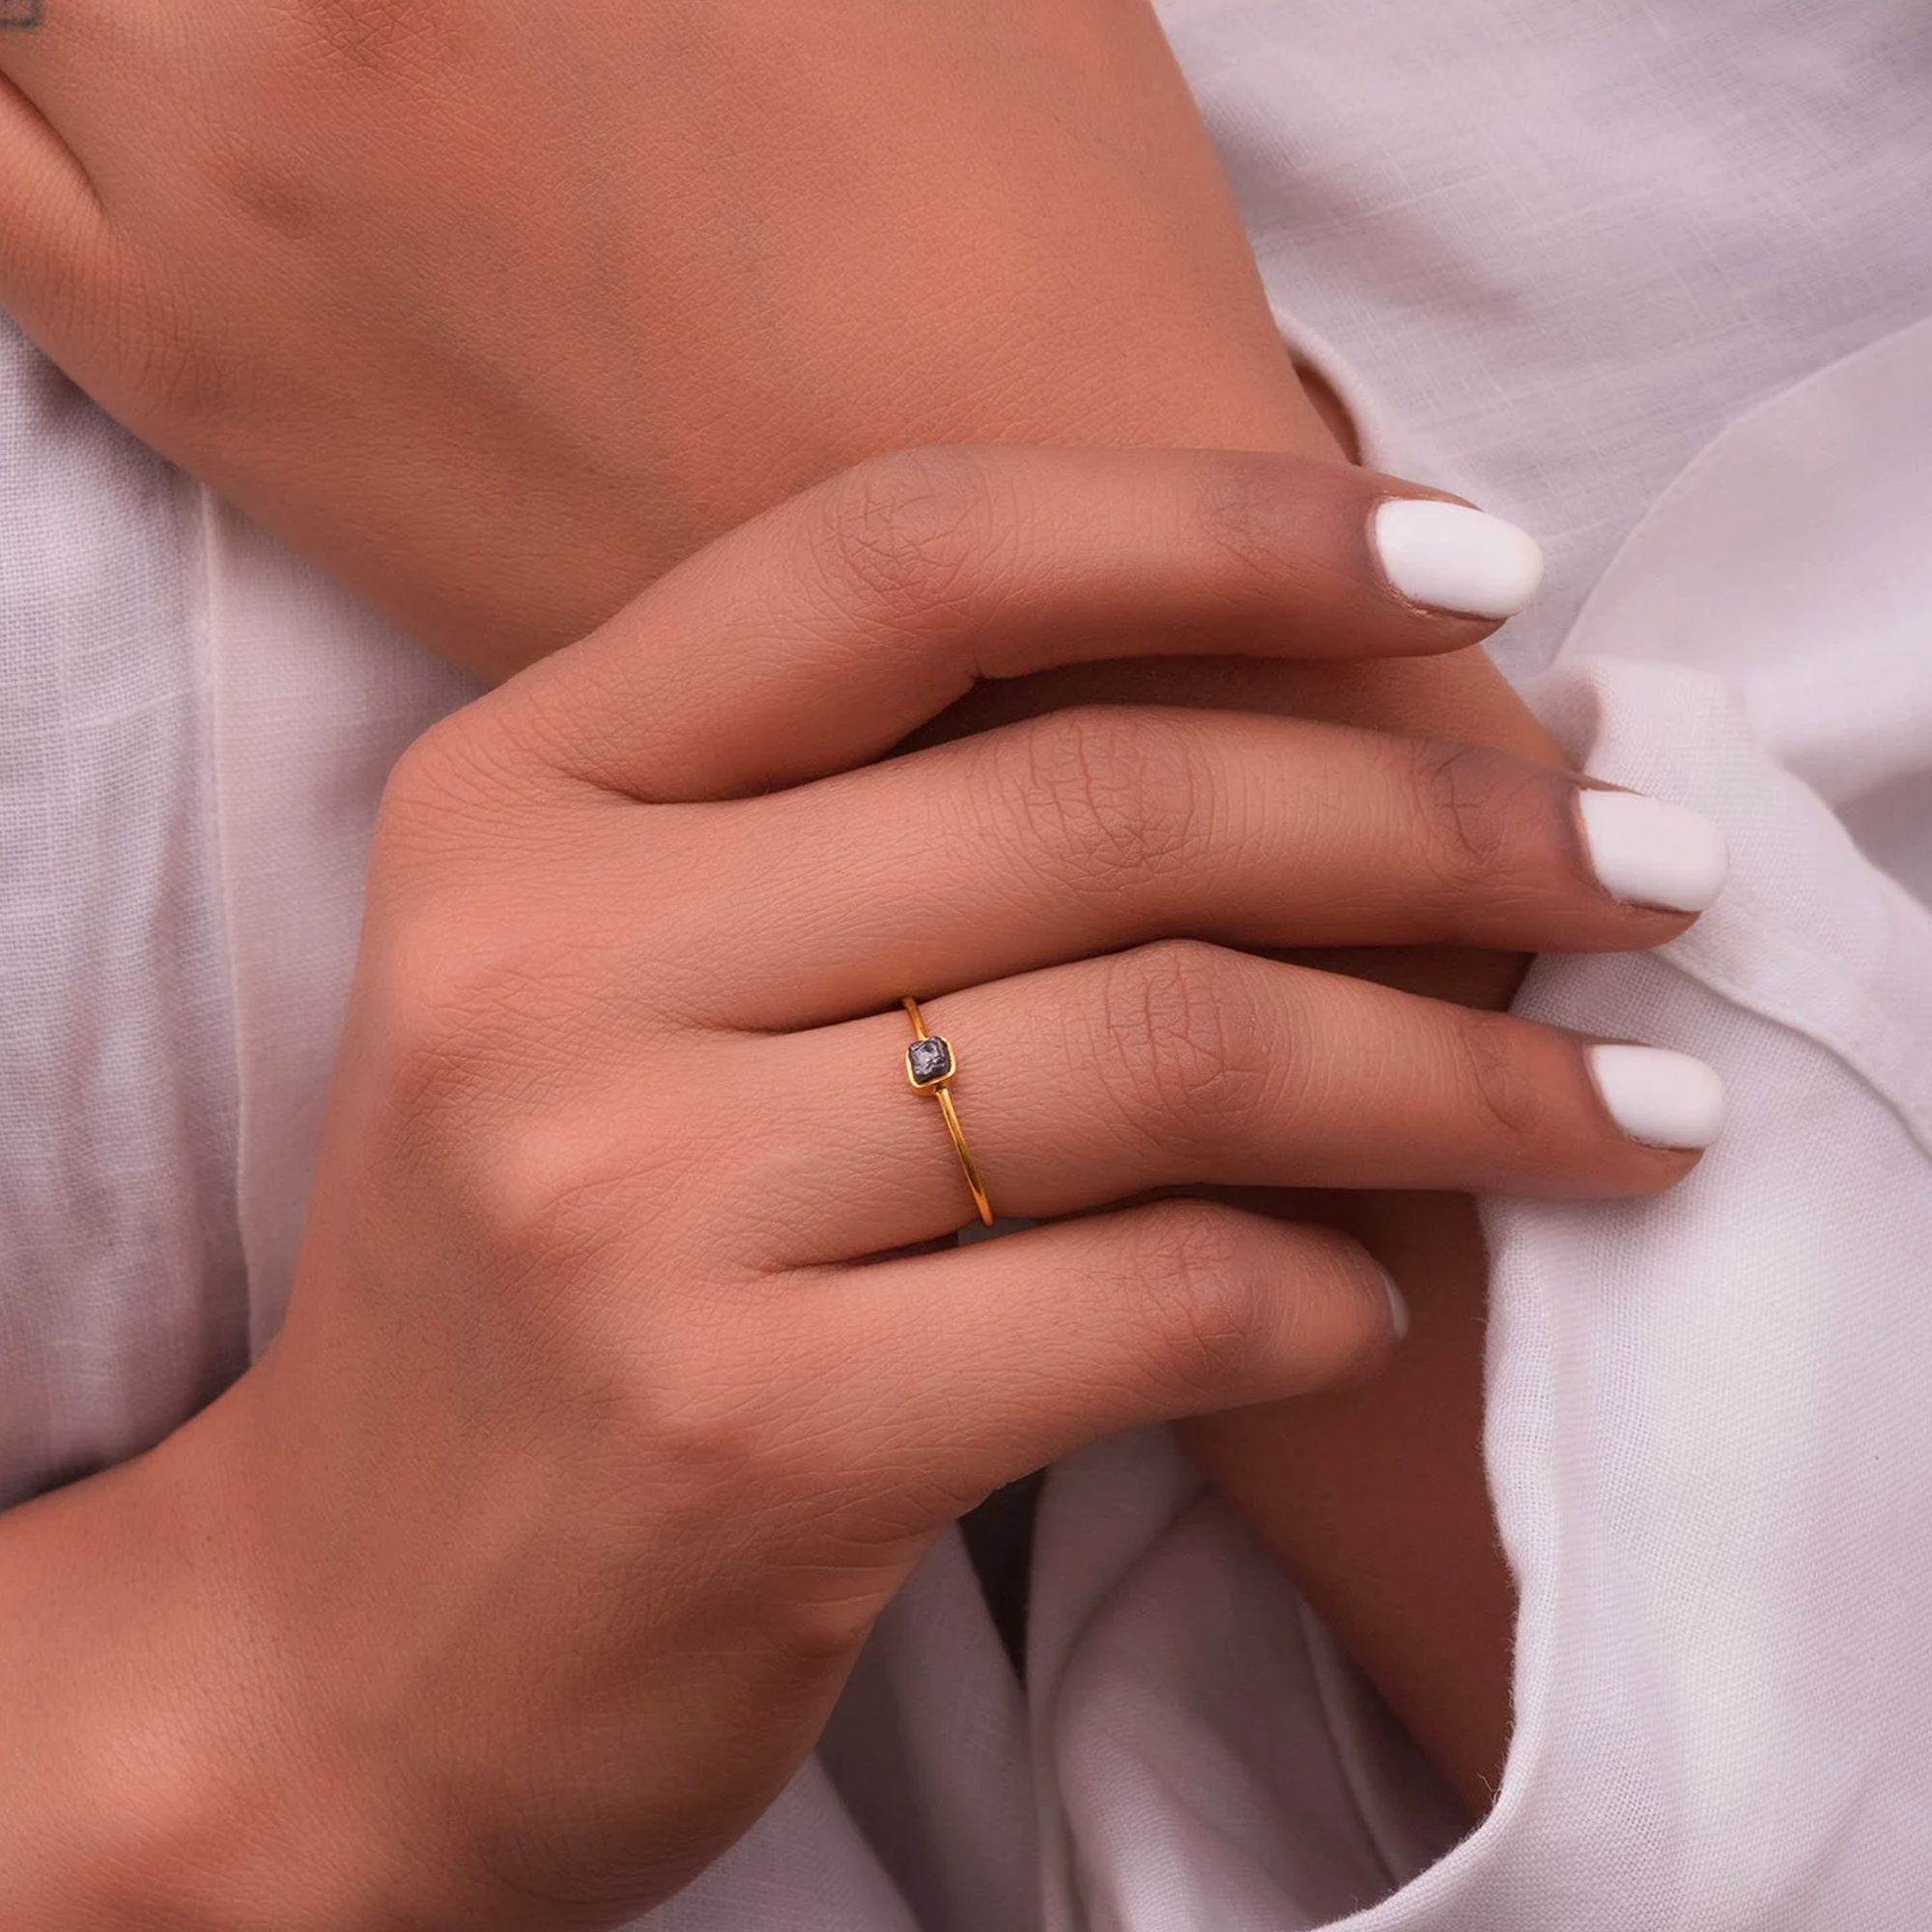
point(1182, 1064)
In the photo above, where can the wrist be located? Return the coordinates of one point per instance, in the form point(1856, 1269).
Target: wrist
point(159, 1766)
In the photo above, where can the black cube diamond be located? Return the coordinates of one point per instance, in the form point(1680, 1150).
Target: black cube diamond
point(929, 1062)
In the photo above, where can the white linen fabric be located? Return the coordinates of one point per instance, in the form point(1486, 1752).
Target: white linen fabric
point(1712, 1459)
point(122, 1293)
point(129, 1296)
point(1569, 244)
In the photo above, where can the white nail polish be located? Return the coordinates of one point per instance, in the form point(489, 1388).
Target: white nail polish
point(1452, 557)
point(1662, 1098)
point(1652, 853)
point(1397, 1305)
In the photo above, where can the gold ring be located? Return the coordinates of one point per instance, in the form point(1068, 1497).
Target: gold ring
point(931, 1068)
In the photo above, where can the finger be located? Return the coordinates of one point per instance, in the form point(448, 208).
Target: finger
point(973, 1366)
point(1175, 1064)
point(818, 635)
point(1089, 831)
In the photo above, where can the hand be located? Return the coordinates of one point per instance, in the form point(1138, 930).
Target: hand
point(495, 311)
point(279, 246)
point(533, 1553)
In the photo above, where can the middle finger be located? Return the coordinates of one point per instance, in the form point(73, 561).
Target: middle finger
point(1092, 830)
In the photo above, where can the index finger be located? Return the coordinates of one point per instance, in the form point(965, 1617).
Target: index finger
point(818, 635)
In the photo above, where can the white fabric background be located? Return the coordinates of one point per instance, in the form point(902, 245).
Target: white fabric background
point(121, 1277)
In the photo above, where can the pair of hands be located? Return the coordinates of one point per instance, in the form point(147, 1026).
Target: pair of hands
point(610, 1410)
point(497, 314)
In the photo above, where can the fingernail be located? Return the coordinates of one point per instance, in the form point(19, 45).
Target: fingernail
point(1653, 853)
point(1662, 1098)
point(1452, 557)
point(1397, 1305)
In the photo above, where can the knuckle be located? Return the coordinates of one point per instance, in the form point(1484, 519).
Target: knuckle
point(825, 1629)
point(725, 1421)
point(472, 1023)
point(1499, 1085)
point(905, 538)
point(1186, 1044)
point(711, 1425)
point(1195, 1265)
point(435, 775)
point(541, 1196)
point(480, 1075)
point(1466, 795)
point(442, 802)
point(498, 1146)
point(1239, 515)
point(457, 1028)
point(1102, 799)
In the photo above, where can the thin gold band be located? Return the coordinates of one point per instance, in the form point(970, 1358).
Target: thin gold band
point(934, 1076)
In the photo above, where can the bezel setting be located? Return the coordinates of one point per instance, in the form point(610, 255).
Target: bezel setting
point(930, 1064)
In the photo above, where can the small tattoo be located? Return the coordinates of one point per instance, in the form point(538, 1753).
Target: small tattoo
point(19, 12)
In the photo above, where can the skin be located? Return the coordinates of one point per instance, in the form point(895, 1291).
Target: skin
point(497, 414)
point(591, 1357)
